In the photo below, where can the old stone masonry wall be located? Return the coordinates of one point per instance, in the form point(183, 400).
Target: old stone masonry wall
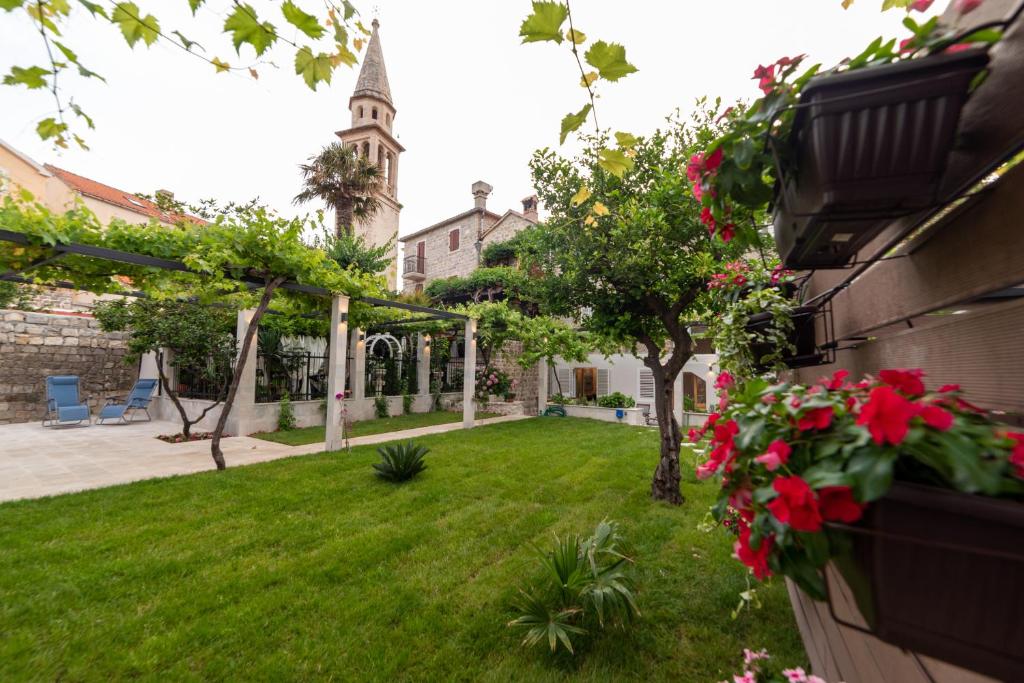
point(36, 345)
point(527, 380)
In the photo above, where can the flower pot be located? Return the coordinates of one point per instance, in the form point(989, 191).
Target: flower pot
point(802, 336)
point(869, 145)
point(941, 573)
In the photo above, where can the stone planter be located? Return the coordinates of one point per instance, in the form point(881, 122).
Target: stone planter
point(869, 146)
point(630, 416)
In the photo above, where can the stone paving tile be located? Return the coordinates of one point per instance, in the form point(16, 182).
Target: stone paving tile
point(37, 461)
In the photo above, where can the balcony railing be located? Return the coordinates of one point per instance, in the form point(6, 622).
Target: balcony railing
point(415, 267)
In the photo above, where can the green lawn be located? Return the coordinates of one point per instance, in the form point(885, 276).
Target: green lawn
point(308, 435)
point(309, 568)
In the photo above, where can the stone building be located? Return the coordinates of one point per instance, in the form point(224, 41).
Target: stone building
point(371, 132)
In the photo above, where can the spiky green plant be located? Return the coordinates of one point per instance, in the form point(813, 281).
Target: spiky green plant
point(400, 461)
point(586, 585)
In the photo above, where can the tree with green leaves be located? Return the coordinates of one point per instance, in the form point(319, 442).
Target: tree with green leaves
point(353, 251)
point(315, 44)
point(345, 181)
point(629, 259)
point(199, 339)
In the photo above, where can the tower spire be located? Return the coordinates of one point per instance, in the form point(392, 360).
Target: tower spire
point(373, 77)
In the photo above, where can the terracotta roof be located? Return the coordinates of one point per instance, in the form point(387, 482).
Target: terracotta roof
point(447, 221)
point(112, 195)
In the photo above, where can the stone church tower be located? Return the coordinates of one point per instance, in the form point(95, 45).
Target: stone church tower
point(373, 116)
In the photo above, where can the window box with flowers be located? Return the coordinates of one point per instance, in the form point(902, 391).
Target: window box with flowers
point(840, 154)
point(915, 496)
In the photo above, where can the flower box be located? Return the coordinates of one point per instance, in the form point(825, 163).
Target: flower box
point(941, 573)
point(869, 145)
point(802, 337)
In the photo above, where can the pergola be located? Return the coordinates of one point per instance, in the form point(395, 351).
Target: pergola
point(338, 336)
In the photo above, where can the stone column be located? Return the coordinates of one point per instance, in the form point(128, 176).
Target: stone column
point(469, 376)
point(358, 372)
point(245, 399)
point(423, 364)
point(337, 346)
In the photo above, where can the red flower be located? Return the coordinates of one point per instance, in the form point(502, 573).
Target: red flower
point(698, 191)
point(765, 76)
point(724, 381)
point(724, 115)
point(727, 232)
point(786, 61)
point(921, 5)
point(712, 162)
point(837, 504)
point(958, 47)
point(907, 381)
point(887, 415)
point(795, 402)
point(707, 219)
point(836, 383)
point(937, 418)
point(1017, 454)
point(795, 504)
point(817, 418)
point(907, 45)
point(965, 6)
point(694, 435)
point(756, 559)
point(945, 388)
point(776, 455)
point(695, 169)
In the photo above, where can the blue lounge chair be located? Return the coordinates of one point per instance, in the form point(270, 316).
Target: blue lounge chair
point(138, 399)
point(63, 403)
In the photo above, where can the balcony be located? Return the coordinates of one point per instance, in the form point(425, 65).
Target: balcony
point(415, 268)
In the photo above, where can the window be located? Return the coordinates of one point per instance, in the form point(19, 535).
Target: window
point(453, 240)
point(360, 112)
point(602, 382)
point(366, 149)
point(645, 384)
point(695, 393)
point(586, 383)
point(374, 114)
point(387, 119)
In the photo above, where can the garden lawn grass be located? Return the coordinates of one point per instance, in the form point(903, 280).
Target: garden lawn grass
point(310, 568)
point(307, 435)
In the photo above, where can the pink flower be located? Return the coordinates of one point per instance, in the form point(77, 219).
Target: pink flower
point(907, 381)
point(958, 47)
point(811, 678)
point(795, 402)
point(1017, 454)
point(816, 418)
point(747, 677)
point(795, 504)
point(725, 381)
point(945, 388)
point(750, 656)
point(708, 219)
point(776, 455)
point(966, 6)
point(796, 675)
point(698, 191)
point(769, 399)
point(921, 5)
point(907, 45)
point(837, 504)
point(339, 396)
point(937, 418)
point(887, 415)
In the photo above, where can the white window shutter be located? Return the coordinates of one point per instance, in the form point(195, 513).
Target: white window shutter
point(567, 378)
point(646, 381)
point(602, 382)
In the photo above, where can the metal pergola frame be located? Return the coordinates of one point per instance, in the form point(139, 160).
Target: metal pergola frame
point(339, 313)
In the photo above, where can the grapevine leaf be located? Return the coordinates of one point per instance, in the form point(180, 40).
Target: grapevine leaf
point(575, 37)
point(313, 69)
point(134, 27)
point(11, 5)
point(600, 209)
point(350, 9)
point(625, 140)
point(81, 114)
point(306, 23)
point(344, 56)
point(194, 5)
point(588, 79)
point(610, 60)
point(582, 195)
point(572, 122)
point(32, 78)
point(220, 65)
point(358, 44)
point(614, 161)
point(93, 8)
point(51, 128)
point(544, 23)
point(186, 42)
point(246, 28)
point(847, 3)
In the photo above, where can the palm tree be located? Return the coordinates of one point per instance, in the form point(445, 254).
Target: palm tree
point(347, 182)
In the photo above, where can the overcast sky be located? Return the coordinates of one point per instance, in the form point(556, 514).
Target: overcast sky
point(473, 103)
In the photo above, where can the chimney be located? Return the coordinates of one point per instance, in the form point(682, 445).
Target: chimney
point(530, 208)
point(480, 192)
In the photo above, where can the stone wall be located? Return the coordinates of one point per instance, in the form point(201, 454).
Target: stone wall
point(527, 381)
point(36, 345)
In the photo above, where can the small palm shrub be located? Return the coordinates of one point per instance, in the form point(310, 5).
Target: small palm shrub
point(400, 461)
point(585, 586)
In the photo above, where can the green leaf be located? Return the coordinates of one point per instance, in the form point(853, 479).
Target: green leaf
point(32, 78)
point(194, 5)
point(133, 26)
point(626, 140)
point(582, 195)
point(544, 23)
point(350, 9)
point(93, 8)
point(614, 161)
point(186, 42)
point(244, 27)
point(609, 59)
point(11, 5)
point(743, 152)
point(220, 65)
point(51, 128)
point(306, 23)
point(313, 70)
point(572, 122)
point(872, 474)
point(575, 37)
point(82, 115)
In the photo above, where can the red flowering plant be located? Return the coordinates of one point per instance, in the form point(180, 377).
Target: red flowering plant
point(792, 459)
point(738, 169)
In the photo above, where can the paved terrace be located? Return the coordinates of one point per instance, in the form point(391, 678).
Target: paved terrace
point(38, 461)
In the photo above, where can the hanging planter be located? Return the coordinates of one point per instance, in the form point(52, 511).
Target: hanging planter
point(869, 145)
point(802, 338)
point(941, 573)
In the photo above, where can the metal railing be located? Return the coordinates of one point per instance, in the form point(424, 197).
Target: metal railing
point(415, 265)
point(302, 376)
point(392, 375)
point(447, 376)
point(208, 384)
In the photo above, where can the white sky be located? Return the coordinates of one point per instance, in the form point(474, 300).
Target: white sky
point(473, 103)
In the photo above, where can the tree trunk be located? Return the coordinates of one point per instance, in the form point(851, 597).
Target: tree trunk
point(343, 217)
point(186, 425)
point(236, 376)
point(665, 485)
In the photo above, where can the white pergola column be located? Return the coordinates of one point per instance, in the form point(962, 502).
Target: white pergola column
point(337, 347)
point(469, 376)
point(245, 399)
point(358, 372)
point(423, 364)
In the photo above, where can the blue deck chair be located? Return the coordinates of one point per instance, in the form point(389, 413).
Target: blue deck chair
point(138, 399)
point(63, 403)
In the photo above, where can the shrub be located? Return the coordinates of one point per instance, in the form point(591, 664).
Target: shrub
point(407, 403)
point(400, 461)
point(559, 399)
point(689, 405)
point(286, 414)
point(585, 585)
point(490, 381)
point(616, 399)
point(380, 405)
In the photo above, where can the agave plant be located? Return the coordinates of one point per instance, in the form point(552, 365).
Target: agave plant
point(400, 461)
point(586, 584)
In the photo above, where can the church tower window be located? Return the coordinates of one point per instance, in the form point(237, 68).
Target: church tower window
point(374, 113)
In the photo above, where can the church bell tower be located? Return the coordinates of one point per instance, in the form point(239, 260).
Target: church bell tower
point(373, 117)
